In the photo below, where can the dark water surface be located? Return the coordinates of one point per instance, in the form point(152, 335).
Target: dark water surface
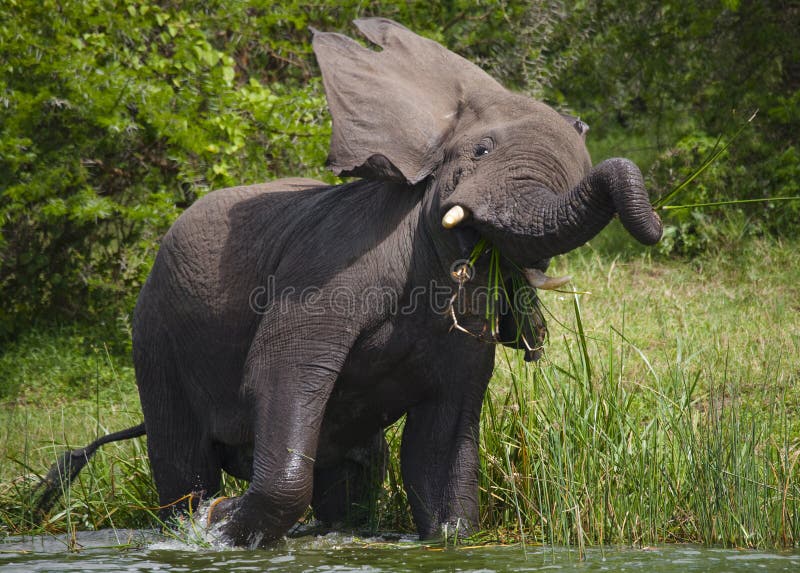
point(134, 551)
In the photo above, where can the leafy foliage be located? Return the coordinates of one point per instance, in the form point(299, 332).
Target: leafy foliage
point(113, 121)
point(116, 116)
point(680, 76)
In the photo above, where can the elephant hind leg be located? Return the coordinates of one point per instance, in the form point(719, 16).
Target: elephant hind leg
point(186, 470)
point(347, 493)
point(184, 461)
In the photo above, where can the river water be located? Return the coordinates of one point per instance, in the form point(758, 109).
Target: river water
point(124, 551)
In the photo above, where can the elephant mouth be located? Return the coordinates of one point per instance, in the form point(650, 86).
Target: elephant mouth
point(517, 320)
point(533, 274)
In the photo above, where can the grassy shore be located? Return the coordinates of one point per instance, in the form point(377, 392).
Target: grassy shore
point(666, 408)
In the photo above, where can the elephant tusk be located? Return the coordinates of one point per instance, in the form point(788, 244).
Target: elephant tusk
point(454, 216)
point(537, 279)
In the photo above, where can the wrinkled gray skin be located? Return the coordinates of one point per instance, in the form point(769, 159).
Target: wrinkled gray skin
point(294, 396)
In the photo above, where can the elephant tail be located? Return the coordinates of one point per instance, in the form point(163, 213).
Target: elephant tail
point(69, 465)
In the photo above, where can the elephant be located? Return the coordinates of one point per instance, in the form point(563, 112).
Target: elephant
point(284, 326)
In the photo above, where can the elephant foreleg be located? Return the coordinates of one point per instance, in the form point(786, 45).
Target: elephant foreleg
point(289, 378)
point(439, 460)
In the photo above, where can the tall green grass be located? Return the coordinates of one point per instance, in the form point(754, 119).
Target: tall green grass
point(588, 454)
point(114, 490)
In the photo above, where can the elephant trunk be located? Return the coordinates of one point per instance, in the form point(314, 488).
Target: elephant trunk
point(544, 223)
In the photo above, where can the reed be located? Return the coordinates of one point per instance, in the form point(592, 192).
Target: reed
point(589, 453)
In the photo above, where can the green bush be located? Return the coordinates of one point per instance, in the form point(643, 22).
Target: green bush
point(749, 170)
point(115, 117)
point(665, 80)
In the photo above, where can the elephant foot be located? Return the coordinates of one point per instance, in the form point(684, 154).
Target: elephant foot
point(222, 514)
point(455, 530)
point(242, 523)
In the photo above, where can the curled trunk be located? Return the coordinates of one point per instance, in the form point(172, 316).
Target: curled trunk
point(544, 223)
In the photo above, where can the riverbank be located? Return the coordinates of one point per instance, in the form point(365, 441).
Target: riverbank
point(666, 408)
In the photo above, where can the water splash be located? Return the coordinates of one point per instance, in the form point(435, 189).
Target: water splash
point(194, 533)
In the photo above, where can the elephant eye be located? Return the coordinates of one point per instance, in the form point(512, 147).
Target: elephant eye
point(483, 148)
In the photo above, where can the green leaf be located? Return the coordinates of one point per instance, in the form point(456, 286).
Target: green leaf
point(228, 75)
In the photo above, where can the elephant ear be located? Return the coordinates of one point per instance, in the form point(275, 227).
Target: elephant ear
point(393, 108)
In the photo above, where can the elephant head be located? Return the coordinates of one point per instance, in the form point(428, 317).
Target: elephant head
point(504, 165)
point(496, 164)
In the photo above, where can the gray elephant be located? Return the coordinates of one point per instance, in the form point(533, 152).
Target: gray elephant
point(284, 326)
